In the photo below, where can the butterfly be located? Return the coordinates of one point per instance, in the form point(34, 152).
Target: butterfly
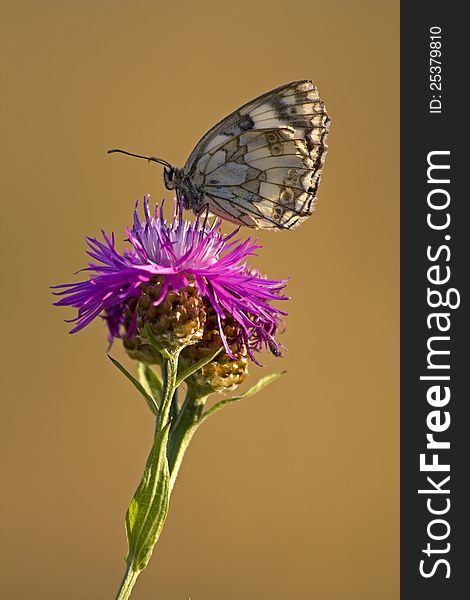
point(261, 165)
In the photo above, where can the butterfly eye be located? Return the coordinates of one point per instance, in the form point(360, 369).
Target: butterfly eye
point(169, 178)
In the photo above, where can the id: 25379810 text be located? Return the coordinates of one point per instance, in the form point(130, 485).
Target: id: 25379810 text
point(435, 70)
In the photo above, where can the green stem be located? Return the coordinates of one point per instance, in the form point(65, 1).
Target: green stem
point(174, 409)
point(169, 372)
point(183, 431)
point(128, 581)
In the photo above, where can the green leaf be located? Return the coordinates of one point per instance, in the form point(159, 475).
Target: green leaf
point(150, 381)
point(149, 507)
point(148, 398)
point(196, 366)
point(262, 383)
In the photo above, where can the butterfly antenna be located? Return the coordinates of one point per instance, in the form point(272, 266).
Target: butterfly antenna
point(149, 158)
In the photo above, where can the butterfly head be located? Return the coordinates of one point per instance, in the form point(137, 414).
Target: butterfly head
point(170, 176)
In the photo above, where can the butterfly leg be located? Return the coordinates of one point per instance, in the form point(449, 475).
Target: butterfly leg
point(179, 203)
point(205, 209)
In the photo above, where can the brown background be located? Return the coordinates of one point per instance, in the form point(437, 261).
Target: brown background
point(294, 493)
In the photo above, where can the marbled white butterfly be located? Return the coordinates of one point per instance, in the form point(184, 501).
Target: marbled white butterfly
point(261, 165)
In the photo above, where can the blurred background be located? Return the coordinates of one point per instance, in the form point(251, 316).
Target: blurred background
point(293, 493)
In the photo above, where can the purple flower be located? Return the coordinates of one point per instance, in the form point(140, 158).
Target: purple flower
point(177, 250)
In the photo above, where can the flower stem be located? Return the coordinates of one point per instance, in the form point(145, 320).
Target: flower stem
point(183, 431)
point(169, 372)
point(128, 581)
point(149, 507)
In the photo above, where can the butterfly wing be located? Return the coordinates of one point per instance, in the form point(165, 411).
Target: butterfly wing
point(261, 165)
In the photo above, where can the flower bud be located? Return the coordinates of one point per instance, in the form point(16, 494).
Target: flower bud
point(120, 322)
point(223, 373)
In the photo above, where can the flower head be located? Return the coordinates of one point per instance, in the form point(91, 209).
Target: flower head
point(190, 265)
